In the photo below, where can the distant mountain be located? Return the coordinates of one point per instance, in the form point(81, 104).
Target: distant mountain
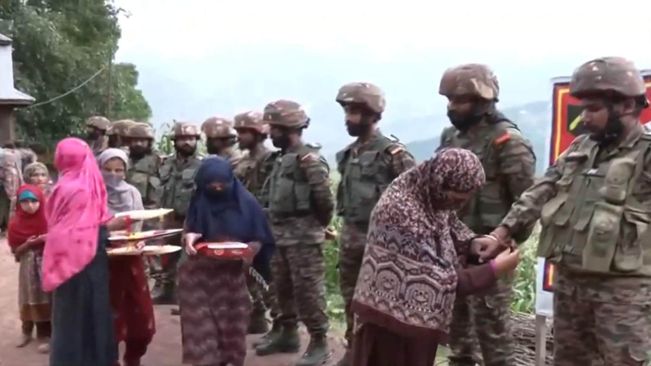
point(533, 119)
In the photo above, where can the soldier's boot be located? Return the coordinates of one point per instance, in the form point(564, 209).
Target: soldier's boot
point(317, 352)
point(274, 332)
point(347, 360)
point(166, 295)
point(258, 324)
point(287, 341)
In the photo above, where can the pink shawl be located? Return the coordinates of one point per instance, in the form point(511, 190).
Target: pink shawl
point(75, 211)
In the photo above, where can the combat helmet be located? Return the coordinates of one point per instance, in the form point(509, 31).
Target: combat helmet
point(366, 94)
point(609, 74)
point(285, 113)
point(218, 127)
point(470, 80)
point(140, 130)
point(120, 127)
point(183, 129)
point(99, 122)
point(251, 120)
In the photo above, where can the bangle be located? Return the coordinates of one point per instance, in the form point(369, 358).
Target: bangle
point(493, 237)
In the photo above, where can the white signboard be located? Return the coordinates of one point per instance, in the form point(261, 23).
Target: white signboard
point(544, 296)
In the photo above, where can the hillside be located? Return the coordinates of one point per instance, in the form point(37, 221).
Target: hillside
point(532, 118)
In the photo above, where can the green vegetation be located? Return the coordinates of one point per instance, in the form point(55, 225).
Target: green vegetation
point(58, 45)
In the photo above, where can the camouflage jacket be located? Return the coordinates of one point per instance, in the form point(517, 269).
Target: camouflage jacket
point(509, 164)
point(367, 169)
point(144, 175)
point(298, 196)
point(177, 182)
point(254, 169)
point(11, 175)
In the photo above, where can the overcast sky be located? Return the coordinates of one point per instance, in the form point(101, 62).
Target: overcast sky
point(175, 42)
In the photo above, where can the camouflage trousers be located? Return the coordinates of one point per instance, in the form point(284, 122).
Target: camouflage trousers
point(482, 323)
point(262, 300)
point(351, 250)
point(298, 272)
point(599, 319)
point(164, 268)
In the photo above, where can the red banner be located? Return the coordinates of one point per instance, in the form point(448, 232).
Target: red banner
point(566, 124)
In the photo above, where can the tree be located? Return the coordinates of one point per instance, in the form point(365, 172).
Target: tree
point(58, 44)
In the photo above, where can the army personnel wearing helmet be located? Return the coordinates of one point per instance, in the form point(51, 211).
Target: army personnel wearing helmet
point(221, 139)
point(300, 205)
point(144, 164)
point(177, 181)
point(367, 167)
point(117, 133)
point(594, 205)
point(96, 127)
point(253, 170)
point(509, 163)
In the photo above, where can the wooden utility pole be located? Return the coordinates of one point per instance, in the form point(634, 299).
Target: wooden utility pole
point(109, 86)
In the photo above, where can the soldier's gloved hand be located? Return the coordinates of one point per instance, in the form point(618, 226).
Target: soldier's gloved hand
point(189, 239)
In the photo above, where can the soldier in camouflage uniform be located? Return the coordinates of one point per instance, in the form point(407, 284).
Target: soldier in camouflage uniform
point(594, 204)
point(11, 179)
point(177, 181)
point(253, 170)
point(144, 166)
point(96, 127)
point(367, 167)
point(509, 163)
point(221, 139)
point(117, 134)
point(300, 206)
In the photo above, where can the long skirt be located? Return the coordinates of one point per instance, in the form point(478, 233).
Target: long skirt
point(376, 346)
point(215, 308)
point(133, 312)
point(35, 309)
point(82, 325)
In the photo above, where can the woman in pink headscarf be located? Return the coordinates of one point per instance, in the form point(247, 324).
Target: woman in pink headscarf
point(75, 263)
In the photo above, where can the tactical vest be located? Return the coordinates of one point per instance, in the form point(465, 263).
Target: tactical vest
point(253, 171)
point(178, 184)
point(487, 208)
point(595, 224)
point(289, 190)
point(144, 176)
point(363, 179)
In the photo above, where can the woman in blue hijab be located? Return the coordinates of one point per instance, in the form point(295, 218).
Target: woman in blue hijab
point(213, 295)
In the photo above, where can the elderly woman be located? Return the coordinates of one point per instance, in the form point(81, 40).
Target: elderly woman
point(411, 272)
point(75, 263)
point(38, 175)
point(213, 295)
point(129, 291)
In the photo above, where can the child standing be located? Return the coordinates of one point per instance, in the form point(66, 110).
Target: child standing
point(26, 236)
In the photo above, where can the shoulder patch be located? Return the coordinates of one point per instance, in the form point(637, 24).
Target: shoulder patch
point(309, 157)
point(503, 138)
point(395, 150)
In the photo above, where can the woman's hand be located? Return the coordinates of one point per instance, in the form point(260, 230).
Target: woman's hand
point(189, 239)
point(507, 261)
point(254, 248)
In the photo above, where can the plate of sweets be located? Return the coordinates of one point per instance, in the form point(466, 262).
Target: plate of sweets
point(145, 214)
point(146, 250)
point(142, 235)
point(224, 250)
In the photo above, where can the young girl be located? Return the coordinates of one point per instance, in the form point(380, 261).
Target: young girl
point(26, 235)
point(133, 312)
point(37, 174)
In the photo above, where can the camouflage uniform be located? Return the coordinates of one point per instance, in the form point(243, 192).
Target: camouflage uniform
point(222, 128)
point(253, 170)
point(102, 124)
point(143, 174)
point(300, 206)
point(509, 163)
point(366, 168)
point(177, 180)
point(11, 181)
point(594, 204)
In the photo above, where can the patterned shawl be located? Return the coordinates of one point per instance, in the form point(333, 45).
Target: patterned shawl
point(408, 280)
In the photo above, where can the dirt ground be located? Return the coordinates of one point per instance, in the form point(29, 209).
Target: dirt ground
point(164, 351)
